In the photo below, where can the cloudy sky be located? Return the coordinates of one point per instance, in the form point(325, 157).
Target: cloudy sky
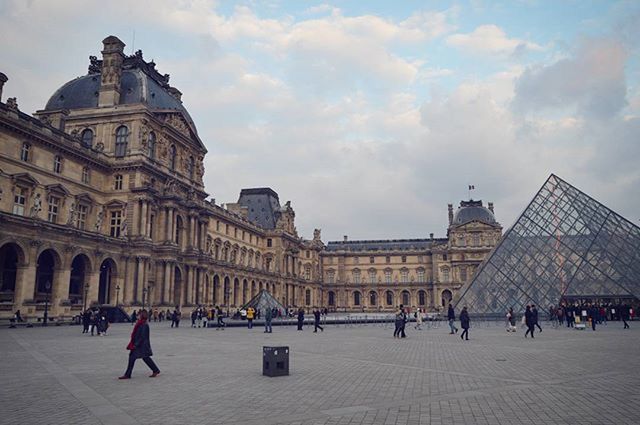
point(372, 116)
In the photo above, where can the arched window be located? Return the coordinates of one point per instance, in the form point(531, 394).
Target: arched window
point(152, 145)
point(422, 298)
point(87, 137)
point(24, 153)
point(373, 298)
point(122, 136)
point(356, 298)
point(178, 229)
point(172, 157)
point(307, 297)
point(332, 298)
point(389, 296)
point(57, 164)
point(406, 298)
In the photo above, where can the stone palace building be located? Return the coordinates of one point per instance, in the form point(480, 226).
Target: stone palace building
point(102, 202)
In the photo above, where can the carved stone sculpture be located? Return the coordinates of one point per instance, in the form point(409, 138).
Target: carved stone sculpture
point(36, 207)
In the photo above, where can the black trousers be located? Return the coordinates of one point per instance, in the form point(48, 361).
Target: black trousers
point(147, 360)
point(626, 325)
point(538, 325)
point(530, 329)
point(316, 326)
point(465, 334)
point(402, 334)
point(396, 332)
point(300, 322)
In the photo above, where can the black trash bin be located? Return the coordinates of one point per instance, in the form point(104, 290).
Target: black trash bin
point(275, 361)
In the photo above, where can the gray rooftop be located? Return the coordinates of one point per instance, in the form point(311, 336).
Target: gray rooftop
point(263, 205)
point(473, 211)
point(384, 245)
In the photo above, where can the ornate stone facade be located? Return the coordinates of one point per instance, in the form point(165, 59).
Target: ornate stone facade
point(102, 202)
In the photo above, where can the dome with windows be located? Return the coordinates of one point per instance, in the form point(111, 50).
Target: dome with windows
point(140, 83)
point(473, 211)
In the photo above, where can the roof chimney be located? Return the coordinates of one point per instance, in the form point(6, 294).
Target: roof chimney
point(431, 236)
point(346, 238)
point(450, 214)
point(112, 58)
point(490, 204)
point(3, 79)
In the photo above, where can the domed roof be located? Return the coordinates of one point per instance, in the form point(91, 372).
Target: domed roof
point(473, 211)
point(135, 87)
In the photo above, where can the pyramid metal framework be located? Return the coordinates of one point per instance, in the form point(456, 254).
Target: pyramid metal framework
point(264, 300)
point(564, 245)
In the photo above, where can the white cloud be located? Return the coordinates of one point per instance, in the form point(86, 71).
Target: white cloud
point(490, 39)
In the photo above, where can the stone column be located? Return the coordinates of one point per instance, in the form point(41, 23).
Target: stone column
point(25, 285)
point(140, 283)
point(170, 224)
point(143, 218)
point(60, 286)
point(94, 286)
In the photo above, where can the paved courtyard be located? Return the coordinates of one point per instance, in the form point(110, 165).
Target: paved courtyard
point(345, 375)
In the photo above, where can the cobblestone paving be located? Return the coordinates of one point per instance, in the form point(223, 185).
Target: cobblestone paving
point(345, 375)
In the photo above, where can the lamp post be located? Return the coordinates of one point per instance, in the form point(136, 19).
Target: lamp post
point(47, 287)
point(117, 294)
point(84, 299)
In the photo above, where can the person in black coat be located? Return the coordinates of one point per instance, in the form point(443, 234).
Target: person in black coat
point(529, 321)
point(534, 311)
point(140, 347)
point(86, 321)
point(316, 321)
point(465, 323)
point(451, 316)
point(300, 318)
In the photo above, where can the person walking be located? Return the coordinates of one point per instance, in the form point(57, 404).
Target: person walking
point(529, 321)
point(134, 317)
point(268, 315)
point(250, 313)
point(86, 321)
point(175, 318)
point(418, 315)
point(451, 315)
point(140, 347)
point(405, 319)
point(93, 323)
point(624, 315)
point(316, 321)
point(534, 311)
point(220, 317)
point(465, 323)
point(399, 319)
point(511, 320)
point(300, 318)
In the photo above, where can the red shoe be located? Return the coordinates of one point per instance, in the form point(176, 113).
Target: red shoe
point(154, 374)
point(124, 377)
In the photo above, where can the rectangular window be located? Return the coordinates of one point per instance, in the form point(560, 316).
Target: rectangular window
point(235, 232)
point(307, 253)
point(151, 220)
point(404, 259)
point(243, 234)
point(445, 275)
point(463, 274)
point(217, 225)
point(24, 153)
point(82, 216)
point(19, 200)
point(54, 206)
point(57, 164)
point(444, 257)
point(476, 239)
point(372, 260)
point(307, 273)
point(404, 276)
point(118, 182)
point(356, 277)
point(372, 276)
point(250, 238)
point(85, 175)
point(356, 260)
point(114, 224)
point(269, 243)
point(420, 276)
point(388, 260)
point(226, 229)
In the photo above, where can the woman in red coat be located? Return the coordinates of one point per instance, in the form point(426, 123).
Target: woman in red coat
point(140, 347)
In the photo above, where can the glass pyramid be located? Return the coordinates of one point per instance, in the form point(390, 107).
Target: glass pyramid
point(264, 300)
point(565, 245)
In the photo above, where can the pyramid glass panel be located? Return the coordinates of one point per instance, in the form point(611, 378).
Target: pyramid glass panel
point(564, 244)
